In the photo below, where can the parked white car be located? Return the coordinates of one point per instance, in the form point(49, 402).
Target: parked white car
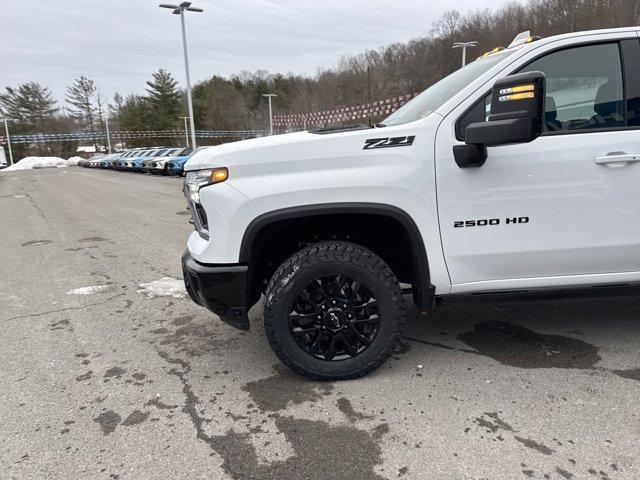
point(158, 164)
point(3, 159)
point(515, 173)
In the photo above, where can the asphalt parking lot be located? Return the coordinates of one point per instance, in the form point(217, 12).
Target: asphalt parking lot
point(100, 377)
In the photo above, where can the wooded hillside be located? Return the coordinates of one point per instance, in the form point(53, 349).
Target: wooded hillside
point(236, 103)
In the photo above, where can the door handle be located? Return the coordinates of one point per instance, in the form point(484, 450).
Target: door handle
point(617, 160)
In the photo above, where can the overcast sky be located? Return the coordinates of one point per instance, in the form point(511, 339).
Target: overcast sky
point(120, 43)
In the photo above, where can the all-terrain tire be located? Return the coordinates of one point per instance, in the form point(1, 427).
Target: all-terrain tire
point(332, 258)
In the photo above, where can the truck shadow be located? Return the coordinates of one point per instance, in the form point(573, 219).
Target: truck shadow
point(533, 332)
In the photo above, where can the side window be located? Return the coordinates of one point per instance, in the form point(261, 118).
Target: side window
point(478, 113)
point(584, 88)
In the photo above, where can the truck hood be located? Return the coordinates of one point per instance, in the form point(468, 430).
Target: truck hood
point(297, 146)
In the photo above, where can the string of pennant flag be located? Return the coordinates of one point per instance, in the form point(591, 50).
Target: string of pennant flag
point(342, 114)
point(376, 109)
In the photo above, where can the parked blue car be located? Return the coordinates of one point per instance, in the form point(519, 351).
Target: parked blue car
point(105, 161)
point(126, 163)
point(175, 166)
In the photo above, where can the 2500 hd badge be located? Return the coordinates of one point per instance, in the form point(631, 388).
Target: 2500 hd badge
point(490, 222)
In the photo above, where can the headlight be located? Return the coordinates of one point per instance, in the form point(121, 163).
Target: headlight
point(195, 180)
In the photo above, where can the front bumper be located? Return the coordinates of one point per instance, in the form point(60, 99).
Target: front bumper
point(220, 288)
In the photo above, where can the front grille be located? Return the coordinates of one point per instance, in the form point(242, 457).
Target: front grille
point(203, 217)
point(198, 215)
point(199, 219)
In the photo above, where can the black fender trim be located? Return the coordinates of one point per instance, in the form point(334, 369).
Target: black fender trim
point(423, 290)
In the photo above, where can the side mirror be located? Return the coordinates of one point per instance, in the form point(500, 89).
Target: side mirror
point(517, 114)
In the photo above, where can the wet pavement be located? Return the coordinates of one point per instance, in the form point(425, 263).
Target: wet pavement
point(109, 371)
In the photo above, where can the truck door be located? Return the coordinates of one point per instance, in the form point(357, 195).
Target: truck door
point(566, 204)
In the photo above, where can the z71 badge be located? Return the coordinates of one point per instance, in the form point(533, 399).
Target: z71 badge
point(388, 142)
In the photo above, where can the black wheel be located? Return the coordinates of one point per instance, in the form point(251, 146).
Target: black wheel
point(334, 311)
point(166, 170)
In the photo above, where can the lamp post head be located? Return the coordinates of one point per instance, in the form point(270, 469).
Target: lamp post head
point(178, 9)
point(465, 44)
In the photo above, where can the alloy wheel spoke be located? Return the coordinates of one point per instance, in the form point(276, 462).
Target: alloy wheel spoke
point(302, 319)
point(331, 352)
point(374, 318)
point(313, 348)
point(351, 350)
point(307, 297)
point(360, 336)
point(304, 331)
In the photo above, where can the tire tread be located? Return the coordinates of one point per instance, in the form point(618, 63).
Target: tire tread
point(325, 252)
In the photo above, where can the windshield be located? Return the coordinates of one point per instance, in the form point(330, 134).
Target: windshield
point(437, 94)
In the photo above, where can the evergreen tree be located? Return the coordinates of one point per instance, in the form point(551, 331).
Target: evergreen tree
point(81, 98)
point(132, 114)
point(30, 107)
point(165, 101)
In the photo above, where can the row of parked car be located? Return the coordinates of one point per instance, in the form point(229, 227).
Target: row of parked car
point(164, 160)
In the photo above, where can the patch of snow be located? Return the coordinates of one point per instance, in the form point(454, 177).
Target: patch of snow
point(164, 287)
point(91, 290)
point(29, 163)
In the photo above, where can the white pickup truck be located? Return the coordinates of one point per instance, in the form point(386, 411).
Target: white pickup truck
point(515, 173)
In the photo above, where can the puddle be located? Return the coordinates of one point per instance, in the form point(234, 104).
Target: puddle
point(135, 418)
point(274, 393)
point(108, 421)
point(633, 374)
point(517, 346)
point(345, 406)
point(321, 451)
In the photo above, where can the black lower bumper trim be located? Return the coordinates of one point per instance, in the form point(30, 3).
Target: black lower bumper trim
point(220, 288)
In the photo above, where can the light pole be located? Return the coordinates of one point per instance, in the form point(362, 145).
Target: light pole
point(106, 124)
point(179, 10)
point(6, 129)
point(464, 46)
point(270, 96)
point(186, 129)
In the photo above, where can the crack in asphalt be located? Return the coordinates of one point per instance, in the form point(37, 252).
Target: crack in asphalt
point(332, 458)
point(48, 312)
point(191, 399)
point(441, 345)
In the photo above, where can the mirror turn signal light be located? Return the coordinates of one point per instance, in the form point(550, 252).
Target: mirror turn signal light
point(515, 96)
point(519, 92)
point(219, 175)
point(530, 87)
